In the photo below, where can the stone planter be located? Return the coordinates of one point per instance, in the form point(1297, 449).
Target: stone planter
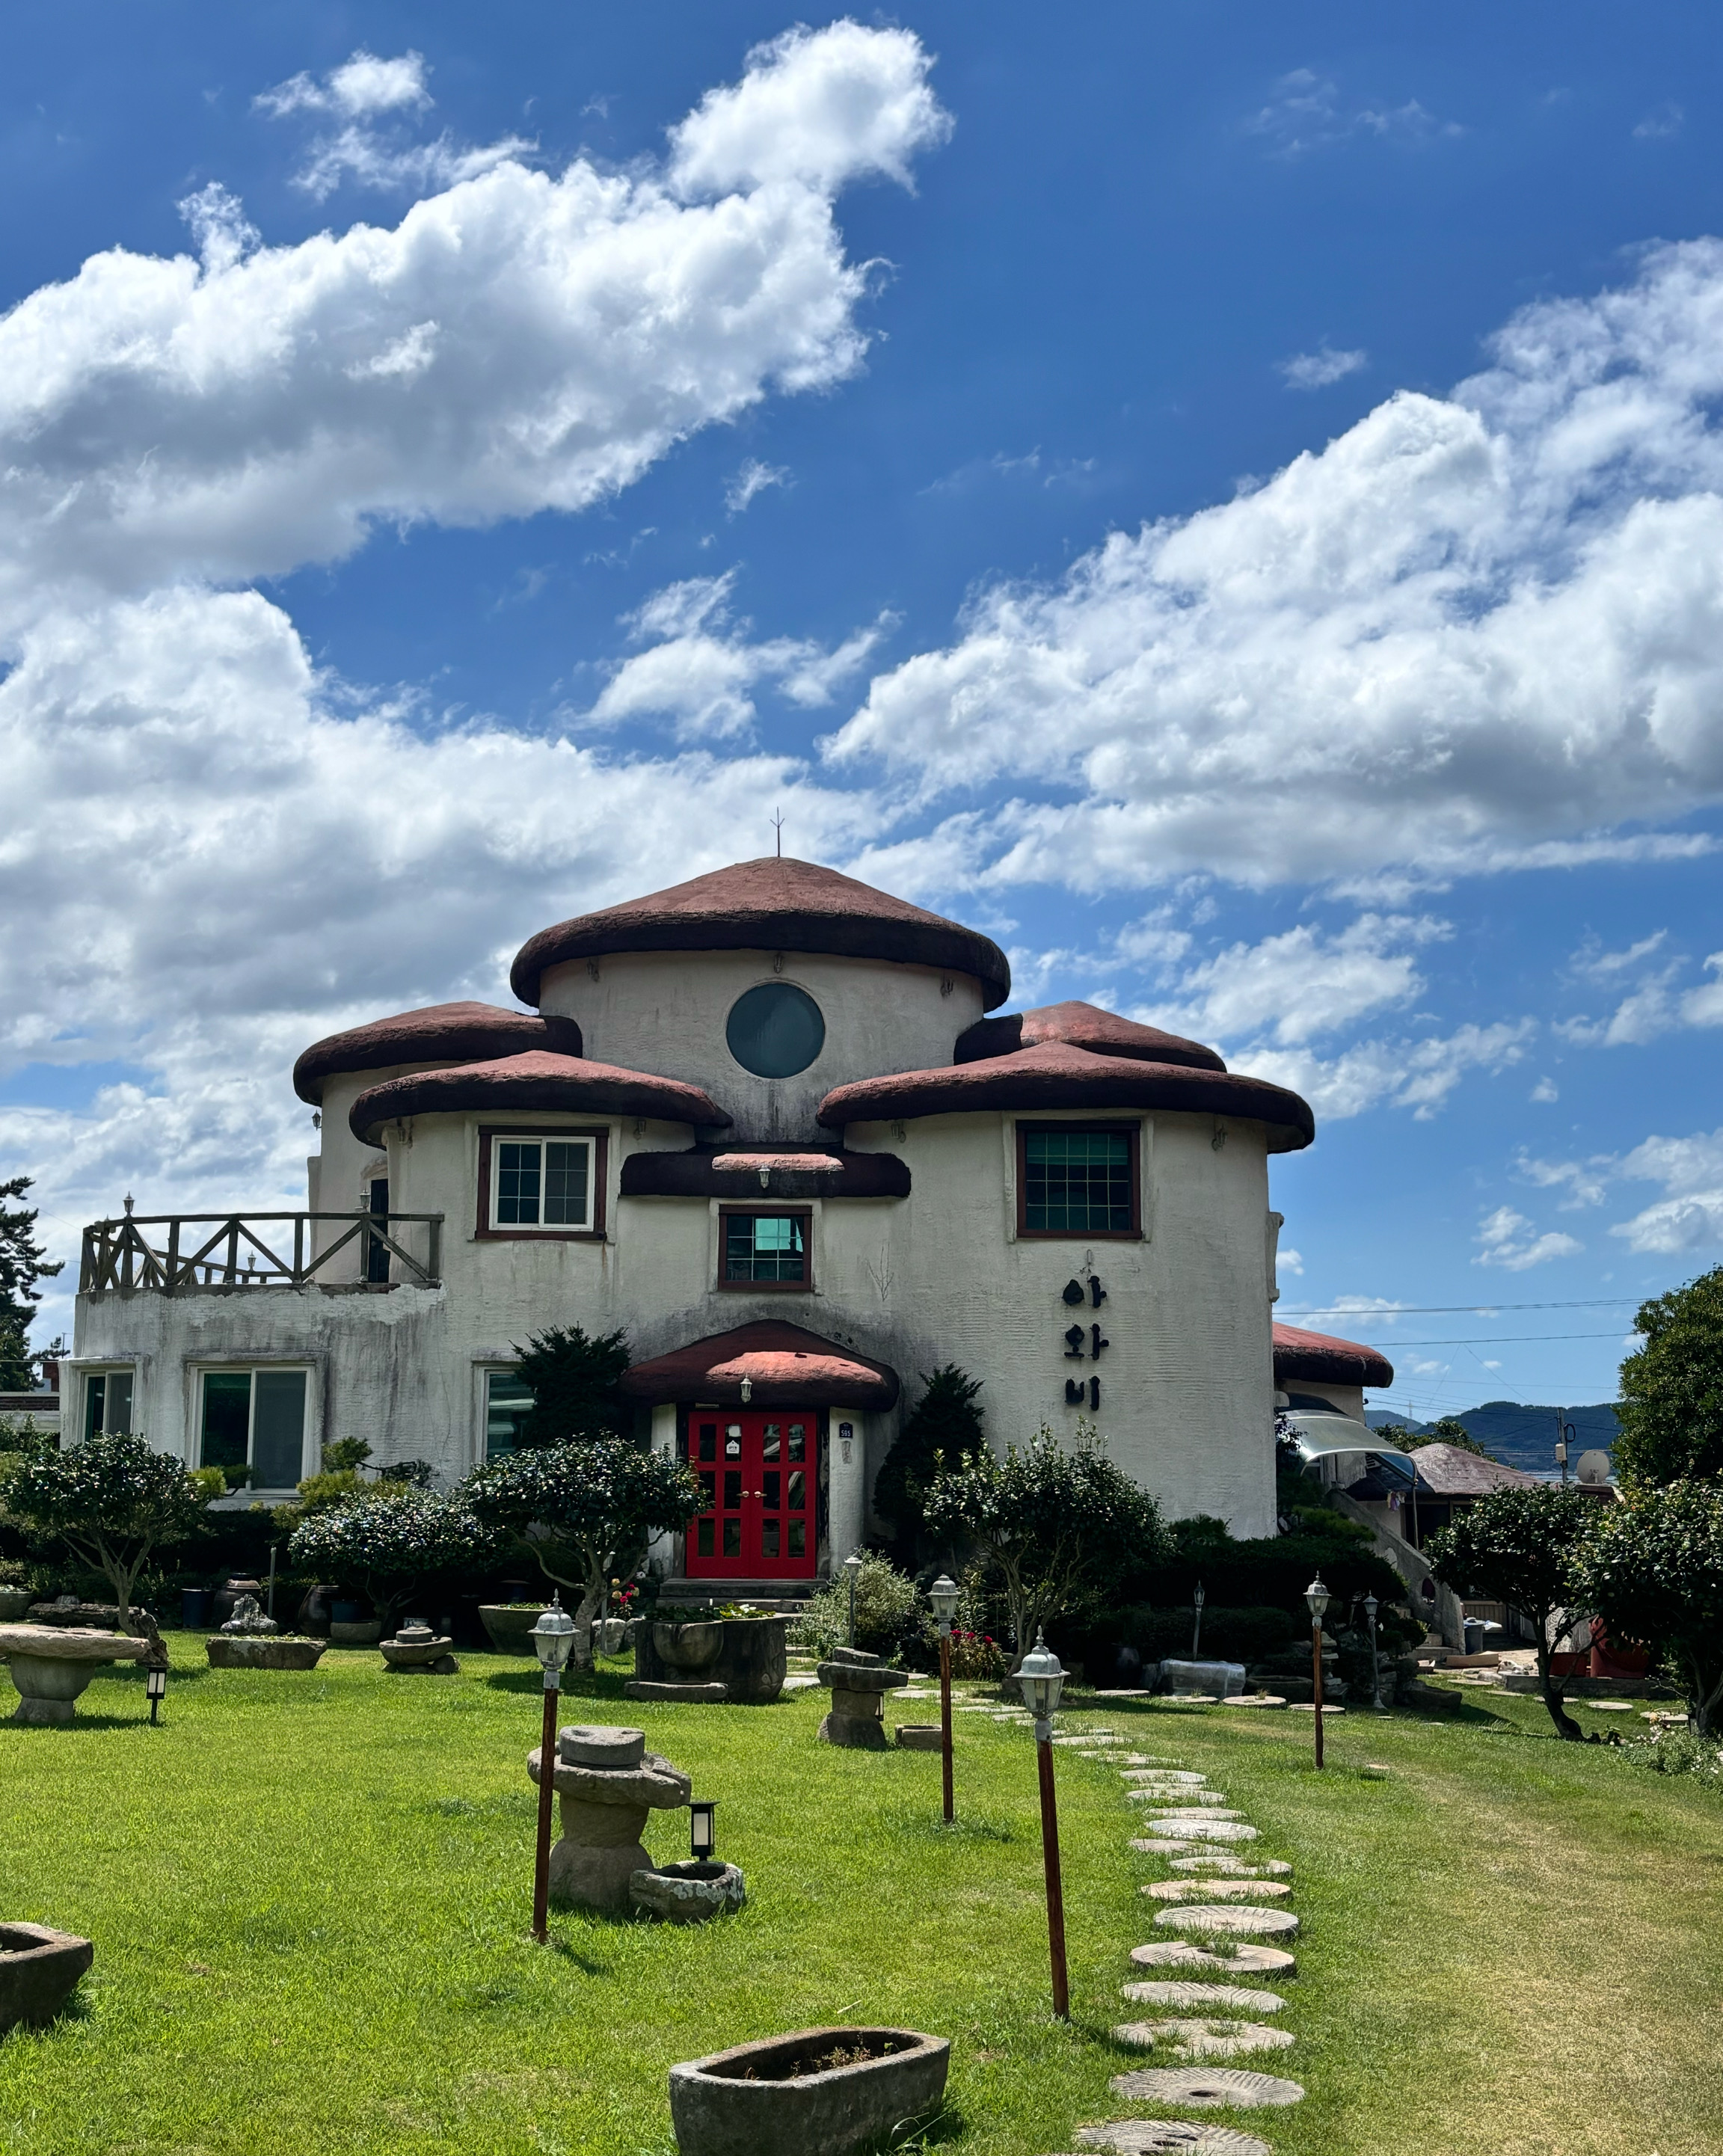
point(692, 1648)
point(740, 1661)
point(15, 1603)
point(416, 1650)
point(366, 1633)
point(1216, 1680)
point(40, 1969)
point(860, 1683)
point(50, 1668)
point(920, 1736)
point(688, 1893)
point(510, 1626)
point(276, 1650)
point(774, 2099)
point(607, 1782)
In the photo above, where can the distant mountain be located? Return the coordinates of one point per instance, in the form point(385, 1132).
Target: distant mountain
point(1520, 1435)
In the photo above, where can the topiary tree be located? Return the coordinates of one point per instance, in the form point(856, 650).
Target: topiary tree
point(1522, 1546)
point(112, 1501)
point(575, 1382)
point(1671, 1411)
point(943, 1431)
point(584, 1513)
point(391, 1545)
point(1652, 1568)
point(1060, 1530)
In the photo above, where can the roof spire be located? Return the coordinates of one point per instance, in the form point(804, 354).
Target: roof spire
point(778, 826)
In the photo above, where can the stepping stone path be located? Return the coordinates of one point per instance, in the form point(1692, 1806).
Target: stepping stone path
point(1200, 1829)
point(1151, 2137)
point(1219, 1890)
point(1271, 1867)
point(1189, 1803)
point(1231, 2087)
point(1173, 1774)
point(1246, 1959)
point(1241, 1997)
point(1204, 2039)
point(1212, 1810)
point(1243, 1924)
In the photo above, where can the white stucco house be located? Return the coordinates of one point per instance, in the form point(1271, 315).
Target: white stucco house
point(765, 1122)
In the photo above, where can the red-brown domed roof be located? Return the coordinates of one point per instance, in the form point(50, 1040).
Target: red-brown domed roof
point(441, 1033)
point(563, 1085)
point(785, 1367)
point(1319, 1357)
point(770, 905)
point(1082, 1025)
point(1056, 1076)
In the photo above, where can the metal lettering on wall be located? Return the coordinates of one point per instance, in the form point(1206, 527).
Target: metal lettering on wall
point(1082, 1345)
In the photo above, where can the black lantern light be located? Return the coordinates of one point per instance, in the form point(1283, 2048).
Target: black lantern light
point(1197, 1602)
point(1316, 1601)
point(702, 1830)
point(943, 1595)
point(155, 1686)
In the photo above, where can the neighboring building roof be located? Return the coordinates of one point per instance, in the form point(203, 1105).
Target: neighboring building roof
point(785, 1365)
point(703, 1173)
point(769, 905)
point(1449, 1470)
point(563, 1085)
point(1082, 1025)
point(1056, 1076)
point(1321, 1357)
point(441, 1033)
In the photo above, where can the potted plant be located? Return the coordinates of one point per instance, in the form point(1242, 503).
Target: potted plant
point(834, 2090)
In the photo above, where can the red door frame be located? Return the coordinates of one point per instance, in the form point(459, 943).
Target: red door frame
point(763, 1521)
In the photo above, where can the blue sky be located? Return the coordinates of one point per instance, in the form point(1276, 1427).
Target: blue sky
point(1226, 499)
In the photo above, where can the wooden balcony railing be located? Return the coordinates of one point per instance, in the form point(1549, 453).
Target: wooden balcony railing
point(189, 1251)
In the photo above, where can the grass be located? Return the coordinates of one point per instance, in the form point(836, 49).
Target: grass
point(309, 1896)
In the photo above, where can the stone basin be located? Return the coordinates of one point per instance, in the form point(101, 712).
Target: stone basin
point(418, 1650)
point(603, 1811)
point(690, 1647)
point(280, 1651)
point(40, 1969)
point(689, 1892)
point(509, 1625)
point(50, 1668)
point(774, 2097)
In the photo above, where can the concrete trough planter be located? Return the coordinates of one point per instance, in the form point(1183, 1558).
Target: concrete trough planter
point(40, 1969)
point(775, 2098)
point(266, 1652)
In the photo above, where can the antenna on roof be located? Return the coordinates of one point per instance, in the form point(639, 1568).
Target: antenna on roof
point(778, 826)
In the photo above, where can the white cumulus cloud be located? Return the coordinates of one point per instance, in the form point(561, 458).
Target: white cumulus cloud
point(1508, 1239)
point(1689, 1215)
point(360, 86)
point(1317, 370)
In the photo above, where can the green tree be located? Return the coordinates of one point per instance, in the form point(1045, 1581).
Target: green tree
point(943, 1431)
point(112, 1501)
point(1671, 1411)
point(1652, 1571)
point(584, 1513)
point(1060, 1530)
point(392, 1545)
point(20, 1266)
point(1523, 1546)
point(1449, 1432)
point(575, 1382)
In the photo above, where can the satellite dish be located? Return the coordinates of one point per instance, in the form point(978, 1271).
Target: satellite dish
point(1594, 1469)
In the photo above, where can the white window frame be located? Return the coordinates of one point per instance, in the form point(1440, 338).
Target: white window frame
point(499, 1139)
point(200, 1371)
point(85, 1372)
point(485, 1371)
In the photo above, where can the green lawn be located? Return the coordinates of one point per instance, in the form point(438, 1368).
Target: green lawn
point(310, 1894)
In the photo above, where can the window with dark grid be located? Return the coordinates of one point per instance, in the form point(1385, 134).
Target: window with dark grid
point(765, 1246)
point(1077, 1182)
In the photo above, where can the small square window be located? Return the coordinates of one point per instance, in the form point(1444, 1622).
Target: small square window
point(254, 1425)
point(1076, 1182)
point(107, 1401)
point(540, 1185)
point(764, 1250)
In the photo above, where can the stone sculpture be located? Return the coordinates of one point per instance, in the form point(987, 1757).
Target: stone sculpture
point(860, 1683)
point(417, 1651)
point(607, 1782)
point(250, 1640)
point(50, 1667)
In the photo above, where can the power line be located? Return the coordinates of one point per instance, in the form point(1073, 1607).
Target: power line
point(1457, 1309)
point(1495, 1339)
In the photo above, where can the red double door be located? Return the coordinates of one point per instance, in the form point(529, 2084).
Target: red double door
point(760, 1474)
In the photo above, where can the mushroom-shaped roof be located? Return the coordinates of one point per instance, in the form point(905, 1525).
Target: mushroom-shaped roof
point(1057, 1075)
point(770, 905)
point(441, 1033)
point(1319, 1357)
point(563, 1085)
point(1083, 1025)
point(785, 1365)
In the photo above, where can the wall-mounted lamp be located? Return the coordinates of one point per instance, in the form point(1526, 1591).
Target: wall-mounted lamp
point(747, 1390)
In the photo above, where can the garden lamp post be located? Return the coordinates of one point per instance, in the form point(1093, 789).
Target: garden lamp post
point(155, 1686)
point(702, 1830)
point(553, 1637)
point(1197, 1619)
point(1316, 1598)
point(1370, 1607)
point(943, 1595)
point(852, 1568)
point(1042, 1679)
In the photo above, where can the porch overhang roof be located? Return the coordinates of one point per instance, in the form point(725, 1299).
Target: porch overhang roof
point(784, 1366)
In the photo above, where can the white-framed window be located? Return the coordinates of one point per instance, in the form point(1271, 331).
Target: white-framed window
point(255, 1420)
point(107, 1400)
point(541, 1182)
point(508, 1401)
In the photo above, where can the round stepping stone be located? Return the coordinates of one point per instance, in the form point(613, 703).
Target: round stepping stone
point(1245, 1923)
point(1245, 1958)
point(1204, 2039)
point(1237, 1995)
point(1200, 1829)
point(1218, 1860)
point(1219, 1890)
point(1164, 1773)
point(1166, 1811)
point(1151, 2136)
point(1215, 2087)
point(1254, 1699)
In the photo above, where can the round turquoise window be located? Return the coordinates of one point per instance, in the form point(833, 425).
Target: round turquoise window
point(775, 1031)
